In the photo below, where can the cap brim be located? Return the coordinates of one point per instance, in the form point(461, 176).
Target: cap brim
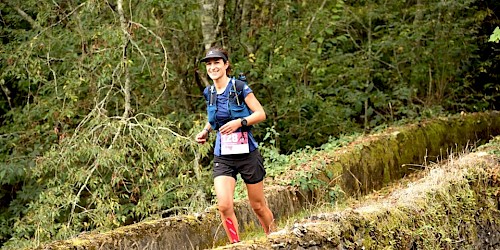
point(212, 54)
point(211, 57)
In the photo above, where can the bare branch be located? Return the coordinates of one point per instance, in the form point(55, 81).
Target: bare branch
point(314, 17)
point(27, 17)
point(94, 167)
point(6, 91)
point(62, 19)
point(125, 40)
point(164, 73)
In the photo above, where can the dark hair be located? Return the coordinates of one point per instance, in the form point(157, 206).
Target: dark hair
point(223, 51)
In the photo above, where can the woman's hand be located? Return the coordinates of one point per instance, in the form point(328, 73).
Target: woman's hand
point(230, 127)
point(202, 136)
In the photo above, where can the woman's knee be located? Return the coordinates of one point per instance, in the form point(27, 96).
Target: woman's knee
point(225, 209)
point(258, 207)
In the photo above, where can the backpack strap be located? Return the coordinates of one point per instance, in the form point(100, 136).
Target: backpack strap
point(212, 95)
point(238, 89)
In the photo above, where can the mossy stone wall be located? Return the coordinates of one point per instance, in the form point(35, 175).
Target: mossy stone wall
point(367, 164)
point(393, 154)
point(456, 207)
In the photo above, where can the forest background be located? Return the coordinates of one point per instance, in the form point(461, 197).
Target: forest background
point(100, 100)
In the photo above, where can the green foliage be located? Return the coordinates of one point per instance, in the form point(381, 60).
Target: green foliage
point(492, 147)
point(112, 172)
point(72, 161)
point(495, 37)
point(292, 169)
point(64, 170)
point(334, 66)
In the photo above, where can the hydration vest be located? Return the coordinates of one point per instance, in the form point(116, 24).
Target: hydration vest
point(236, 104)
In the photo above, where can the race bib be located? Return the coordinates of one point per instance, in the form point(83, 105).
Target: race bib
point(235, 143)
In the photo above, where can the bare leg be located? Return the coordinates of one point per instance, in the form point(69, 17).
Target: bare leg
point(224, 189)
point(259, 206)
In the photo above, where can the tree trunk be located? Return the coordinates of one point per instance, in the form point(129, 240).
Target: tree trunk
point(419, 13)
point(210, 24)
point(126, 40)
point(245, 14)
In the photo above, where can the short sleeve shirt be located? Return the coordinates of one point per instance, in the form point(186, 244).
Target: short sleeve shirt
point(222, 115)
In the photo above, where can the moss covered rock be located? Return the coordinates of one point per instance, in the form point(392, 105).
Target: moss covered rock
point(367, 164)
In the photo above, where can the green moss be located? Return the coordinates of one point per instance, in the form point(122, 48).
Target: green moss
point(442, 214)
point(367, 164)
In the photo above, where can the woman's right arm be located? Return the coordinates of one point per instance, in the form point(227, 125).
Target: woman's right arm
point(203, 135)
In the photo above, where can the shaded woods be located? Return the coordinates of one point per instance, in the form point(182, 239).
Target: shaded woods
point(100, 99)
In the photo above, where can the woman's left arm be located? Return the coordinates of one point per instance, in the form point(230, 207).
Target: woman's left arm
point(257, 116)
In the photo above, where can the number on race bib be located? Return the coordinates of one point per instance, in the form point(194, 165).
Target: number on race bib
point(235, 143)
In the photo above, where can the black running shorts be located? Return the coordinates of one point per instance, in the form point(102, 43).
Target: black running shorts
point(250, 166)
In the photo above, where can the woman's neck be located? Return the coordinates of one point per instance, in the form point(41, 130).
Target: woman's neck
point(221, 83)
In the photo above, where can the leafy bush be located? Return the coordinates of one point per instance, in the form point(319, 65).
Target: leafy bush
point(74, 160)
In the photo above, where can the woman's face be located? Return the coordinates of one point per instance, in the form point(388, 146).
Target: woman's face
point(216, 68)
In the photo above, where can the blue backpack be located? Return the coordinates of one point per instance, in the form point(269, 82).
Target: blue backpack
point(237, 106)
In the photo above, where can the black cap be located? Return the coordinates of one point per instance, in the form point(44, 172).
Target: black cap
point(214, 54)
